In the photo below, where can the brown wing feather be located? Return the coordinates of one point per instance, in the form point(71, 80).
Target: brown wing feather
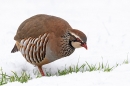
point(39, 24)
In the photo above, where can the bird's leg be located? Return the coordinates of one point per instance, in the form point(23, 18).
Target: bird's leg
point(41, 71)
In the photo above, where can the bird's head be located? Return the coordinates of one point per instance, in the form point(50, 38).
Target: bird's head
point(78, 39)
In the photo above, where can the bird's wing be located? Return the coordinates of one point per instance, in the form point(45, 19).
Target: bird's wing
point(40, 24)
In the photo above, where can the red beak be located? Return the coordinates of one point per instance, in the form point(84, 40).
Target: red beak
point(84, 45)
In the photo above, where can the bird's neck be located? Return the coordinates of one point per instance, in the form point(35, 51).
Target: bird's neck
point(66, 47)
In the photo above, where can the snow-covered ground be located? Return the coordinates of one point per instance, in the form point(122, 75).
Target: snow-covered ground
point(119, 77)
point(105, 22)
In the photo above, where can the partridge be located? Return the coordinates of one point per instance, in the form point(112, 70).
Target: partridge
point(43, 38)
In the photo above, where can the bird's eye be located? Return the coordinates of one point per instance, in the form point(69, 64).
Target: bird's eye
point(78, 40)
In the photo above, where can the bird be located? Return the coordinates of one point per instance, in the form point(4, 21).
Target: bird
point(44, 38)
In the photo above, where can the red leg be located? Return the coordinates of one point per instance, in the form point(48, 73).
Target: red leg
point(41, 71)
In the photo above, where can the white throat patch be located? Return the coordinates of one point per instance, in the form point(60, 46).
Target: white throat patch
point(76, 44)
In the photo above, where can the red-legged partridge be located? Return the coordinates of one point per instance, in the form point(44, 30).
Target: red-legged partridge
point(44, 38)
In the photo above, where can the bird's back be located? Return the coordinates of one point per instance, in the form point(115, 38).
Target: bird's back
point(40, 24)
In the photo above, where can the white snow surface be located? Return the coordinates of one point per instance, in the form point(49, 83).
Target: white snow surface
point(106, 24)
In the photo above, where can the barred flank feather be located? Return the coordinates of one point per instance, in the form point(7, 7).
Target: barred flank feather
point(34, 49)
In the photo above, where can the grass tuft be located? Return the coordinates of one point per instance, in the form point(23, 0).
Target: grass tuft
point(86, 67)
point(6, 78)
point(126, 61)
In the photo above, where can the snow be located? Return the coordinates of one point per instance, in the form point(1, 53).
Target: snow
point(105, 22)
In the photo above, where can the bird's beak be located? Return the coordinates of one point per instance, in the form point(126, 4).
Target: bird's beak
point(84, 45)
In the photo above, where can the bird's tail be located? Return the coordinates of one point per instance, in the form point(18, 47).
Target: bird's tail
point(15, 49)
